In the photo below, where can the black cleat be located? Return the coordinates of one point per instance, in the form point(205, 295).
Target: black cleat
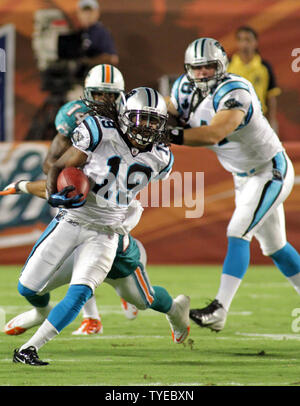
point(212, 316)
point(28, 356)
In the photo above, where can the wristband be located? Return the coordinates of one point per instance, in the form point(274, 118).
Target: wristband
point(176, 136)
point(22, 186)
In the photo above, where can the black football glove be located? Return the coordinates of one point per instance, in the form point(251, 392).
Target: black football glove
point(60, 199)
point(175, 135)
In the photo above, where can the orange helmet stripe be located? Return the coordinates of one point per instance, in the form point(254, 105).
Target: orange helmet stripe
point(107, 74)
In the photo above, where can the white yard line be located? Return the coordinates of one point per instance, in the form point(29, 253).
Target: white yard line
point(102, 337)
point(243, 313)
point(271, 336)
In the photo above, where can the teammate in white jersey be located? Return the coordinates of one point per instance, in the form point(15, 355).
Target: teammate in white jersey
point(222, 112)
point(120, 156)
point(102, 81)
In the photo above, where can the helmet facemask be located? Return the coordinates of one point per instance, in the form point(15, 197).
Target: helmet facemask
point(205, 84)
point(98, 95)
point(205, 52)
point(104, 82)
point(144, 127)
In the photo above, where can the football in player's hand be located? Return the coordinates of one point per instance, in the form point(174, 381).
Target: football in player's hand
point(74, 177)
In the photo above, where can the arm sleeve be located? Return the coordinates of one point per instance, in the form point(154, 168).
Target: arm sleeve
point(175, 94)
point(61, 124)
point(81, 137)
point(167, 166)
point(238, 99)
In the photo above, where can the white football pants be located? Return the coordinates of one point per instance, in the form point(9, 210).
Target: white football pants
point(135, 288)
point(259, 206)
point(95, 252)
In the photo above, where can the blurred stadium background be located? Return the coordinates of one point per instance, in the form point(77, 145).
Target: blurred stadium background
point(151, 37)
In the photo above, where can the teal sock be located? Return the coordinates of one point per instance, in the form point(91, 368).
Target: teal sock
point(237, 258)
point(287, 260)
point(162, 300)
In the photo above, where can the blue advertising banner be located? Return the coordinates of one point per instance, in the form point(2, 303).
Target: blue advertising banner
point(23, 217)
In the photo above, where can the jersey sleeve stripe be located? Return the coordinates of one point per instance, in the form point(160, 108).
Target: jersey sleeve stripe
point(226, 88)
point(94, 129)
point(170, 164)
point(247, 118)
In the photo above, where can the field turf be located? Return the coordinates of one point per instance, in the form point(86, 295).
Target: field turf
point(258, 347)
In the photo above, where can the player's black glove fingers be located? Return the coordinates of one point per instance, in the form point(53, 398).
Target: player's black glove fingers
point(66, 190)
point(60, 199)
point(175, 135)
point(76, 204)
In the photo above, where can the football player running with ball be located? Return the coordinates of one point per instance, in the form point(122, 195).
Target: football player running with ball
point(224, 114)
point(121, 154)
point(102, 81)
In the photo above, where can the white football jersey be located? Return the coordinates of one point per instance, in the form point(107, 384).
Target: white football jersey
point(117, 171)
point(253, 143)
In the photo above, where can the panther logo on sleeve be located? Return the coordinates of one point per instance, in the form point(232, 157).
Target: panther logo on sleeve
point(232, 103)
point(77, 137)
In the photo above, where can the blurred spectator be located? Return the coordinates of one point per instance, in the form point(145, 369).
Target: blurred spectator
point(91, 44)
point(97, 43)
point(64, 55)
point(248, 63)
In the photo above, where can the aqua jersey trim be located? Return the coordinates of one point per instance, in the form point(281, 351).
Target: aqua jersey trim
point(226, 88)
point(94, 129)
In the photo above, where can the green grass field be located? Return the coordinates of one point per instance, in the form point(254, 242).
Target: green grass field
point(258, 346)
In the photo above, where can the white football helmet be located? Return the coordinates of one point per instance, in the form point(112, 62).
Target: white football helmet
point(205, 51)
point(106, 79)
point(145, 116)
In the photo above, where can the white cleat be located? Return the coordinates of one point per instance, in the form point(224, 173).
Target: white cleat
point(89, 327)
point(22, 322)
point(129, 309)
point(179, 319)
point(212, 316)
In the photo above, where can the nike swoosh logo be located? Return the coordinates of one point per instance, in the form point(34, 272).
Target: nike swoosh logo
point(21, 360)
point(180, 338)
